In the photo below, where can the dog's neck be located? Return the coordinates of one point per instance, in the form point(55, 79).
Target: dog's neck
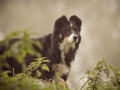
point(64, 48)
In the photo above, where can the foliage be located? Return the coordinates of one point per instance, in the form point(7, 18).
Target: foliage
point(19, 49)
point(103, 77)
point(24, 81)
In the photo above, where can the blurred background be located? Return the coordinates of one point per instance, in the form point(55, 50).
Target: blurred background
point(100, 27)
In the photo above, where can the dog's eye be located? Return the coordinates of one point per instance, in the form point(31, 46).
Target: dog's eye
point(75, 28)
point(68, 28)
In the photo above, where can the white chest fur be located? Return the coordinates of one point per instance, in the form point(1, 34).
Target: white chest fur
point(64, 47)
point(63, 69)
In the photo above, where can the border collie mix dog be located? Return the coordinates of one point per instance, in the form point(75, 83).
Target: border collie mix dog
point(59, 47)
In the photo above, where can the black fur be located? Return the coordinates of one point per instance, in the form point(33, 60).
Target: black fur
point(51, 46)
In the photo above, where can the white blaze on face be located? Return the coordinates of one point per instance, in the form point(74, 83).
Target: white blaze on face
point(70, 38)
point(71, 24)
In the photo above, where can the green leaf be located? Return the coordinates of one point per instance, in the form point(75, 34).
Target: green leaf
point(111, 67)
point(88, 72)
point(45, 67)
point(118, 73)
point(38, 59)
point(45, 61)
point(5, 73)
point(38, 73)
point(6, 65)
point(23, 53)
point(30, 51)
point(37, 43)
point(81, 78)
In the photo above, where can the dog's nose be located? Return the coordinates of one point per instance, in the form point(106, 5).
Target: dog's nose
point(75, 37)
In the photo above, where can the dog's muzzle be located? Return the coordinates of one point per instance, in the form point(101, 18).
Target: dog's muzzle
point(73, 38)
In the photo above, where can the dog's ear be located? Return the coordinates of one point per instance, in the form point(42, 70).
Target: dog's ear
point(60, 21)
point(76, 20)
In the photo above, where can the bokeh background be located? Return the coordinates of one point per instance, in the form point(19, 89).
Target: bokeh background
point(100, 29)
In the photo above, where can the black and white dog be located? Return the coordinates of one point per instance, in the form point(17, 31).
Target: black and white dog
point(59, 47)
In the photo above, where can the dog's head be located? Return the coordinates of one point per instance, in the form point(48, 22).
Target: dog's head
point(68, 30)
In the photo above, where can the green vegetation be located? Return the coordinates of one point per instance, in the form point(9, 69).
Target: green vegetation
point(24, 81)
point(103, 77)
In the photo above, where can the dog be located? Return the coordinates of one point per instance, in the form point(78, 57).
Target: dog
point(59, 47)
